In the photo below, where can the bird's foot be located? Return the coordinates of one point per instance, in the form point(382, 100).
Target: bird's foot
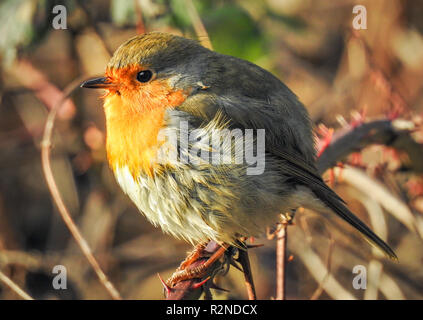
point(193, 256)
point(196, 266)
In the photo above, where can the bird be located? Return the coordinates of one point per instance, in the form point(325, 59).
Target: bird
point(166, 97)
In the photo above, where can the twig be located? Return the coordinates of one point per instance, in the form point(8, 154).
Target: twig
point(317, 267)
point(359, 179)
point(248, 275)
point(374, 273)
point(390, 289)
point(319, 289)
point(281, 241)
point(140, 26)
point(198, 25)
point(33, 79)
point(55, 193)
point(12, 285)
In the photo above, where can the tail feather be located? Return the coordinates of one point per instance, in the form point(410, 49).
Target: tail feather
point(330, 199)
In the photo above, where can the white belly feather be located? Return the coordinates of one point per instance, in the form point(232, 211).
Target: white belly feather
point(164, 209)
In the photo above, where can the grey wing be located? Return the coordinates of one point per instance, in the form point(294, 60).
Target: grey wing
point(288, 137)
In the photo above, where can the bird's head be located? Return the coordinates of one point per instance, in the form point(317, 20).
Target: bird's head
point(146, 75)
point(153, 70)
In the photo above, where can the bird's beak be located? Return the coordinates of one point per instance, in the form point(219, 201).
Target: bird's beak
point(98, 83)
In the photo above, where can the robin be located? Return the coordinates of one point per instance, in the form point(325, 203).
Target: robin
point(162, 88)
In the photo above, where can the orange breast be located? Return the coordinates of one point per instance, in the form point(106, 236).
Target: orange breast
point(134, 117)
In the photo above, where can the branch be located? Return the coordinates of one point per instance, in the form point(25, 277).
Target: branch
point(396, 207)
point(55, 193)
point(318, 268)
point(319, 289)
point(281, 241)
point(248, 276)
point(198, 25)
point(33, 79)
point(12, 285)
point(393, 133)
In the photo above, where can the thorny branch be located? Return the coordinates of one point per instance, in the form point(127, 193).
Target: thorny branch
point(391, 133)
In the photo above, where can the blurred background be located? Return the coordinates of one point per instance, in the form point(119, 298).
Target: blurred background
point(343, 76)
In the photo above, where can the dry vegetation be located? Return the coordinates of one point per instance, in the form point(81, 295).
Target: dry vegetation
point(347, 79)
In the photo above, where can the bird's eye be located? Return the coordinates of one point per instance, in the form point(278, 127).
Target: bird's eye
point(144, 76)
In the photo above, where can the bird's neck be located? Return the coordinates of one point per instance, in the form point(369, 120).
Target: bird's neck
point(132, 135)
